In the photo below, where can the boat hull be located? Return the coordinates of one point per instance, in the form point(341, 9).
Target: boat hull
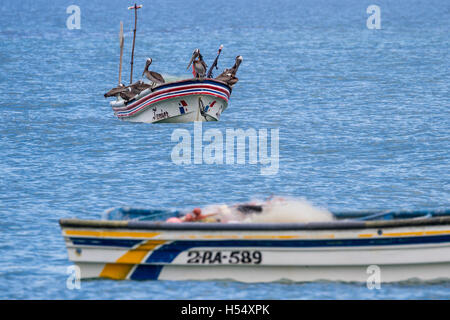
point(150, 251)
point(389, 273)
point(178, 102)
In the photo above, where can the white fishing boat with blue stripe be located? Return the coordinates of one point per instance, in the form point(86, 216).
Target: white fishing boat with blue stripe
point(181, 101)
point(202, 98)
point(401, 245)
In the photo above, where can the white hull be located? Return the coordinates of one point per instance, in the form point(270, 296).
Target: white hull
point(169, 111)
point(248, 274)
point(401, 253)
point(177, 102)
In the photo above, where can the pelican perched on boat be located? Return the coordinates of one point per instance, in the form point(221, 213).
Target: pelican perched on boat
point(153, 76)
point(198, 64)
point(115, 91)
point(229, 75)
point(128, 92)
point(140, 86)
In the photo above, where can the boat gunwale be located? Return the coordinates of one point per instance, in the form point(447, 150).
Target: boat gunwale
point(166, 84)
point(188, 226)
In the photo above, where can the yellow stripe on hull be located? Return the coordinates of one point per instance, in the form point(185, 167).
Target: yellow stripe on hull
point(121, 234)
point(122, 267)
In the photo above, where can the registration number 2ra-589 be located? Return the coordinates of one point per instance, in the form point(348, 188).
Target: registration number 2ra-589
point(224, 257)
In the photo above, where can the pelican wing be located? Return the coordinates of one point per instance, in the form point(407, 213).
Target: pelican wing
point(200, 68)
point(114, 91)
point(228, 78)
point(140, 86)
point(157, 78)
point(127, 95)
point(204, 64)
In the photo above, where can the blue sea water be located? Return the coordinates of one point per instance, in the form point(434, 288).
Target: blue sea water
point(363, 118)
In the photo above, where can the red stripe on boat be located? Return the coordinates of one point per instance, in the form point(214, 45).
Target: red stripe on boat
point(170, 97)
point(184, 87)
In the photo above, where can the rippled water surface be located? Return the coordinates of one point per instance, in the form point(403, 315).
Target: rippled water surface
point(363, 118)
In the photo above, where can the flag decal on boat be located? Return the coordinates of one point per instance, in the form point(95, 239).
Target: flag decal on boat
point(183, 106)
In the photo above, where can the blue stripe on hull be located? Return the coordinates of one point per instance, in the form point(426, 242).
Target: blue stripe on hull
point(188, 82)
point(150, 101)
point(126, 243)
point(146, 272)
point(167, 253)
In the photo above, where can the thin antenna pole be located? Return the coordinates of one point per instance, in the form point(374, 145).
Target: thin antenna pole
point(135, 7)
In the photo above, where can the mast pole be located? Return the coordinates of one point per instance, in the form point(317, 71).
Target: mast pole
point(135, 7)
point(121, 40)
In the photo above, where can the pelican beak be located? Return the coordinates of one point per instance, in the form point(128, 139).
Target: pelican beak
point(190, 62)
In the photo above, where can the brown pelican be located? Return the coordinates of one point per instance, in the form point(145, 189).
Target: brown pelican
point(115, 91)
point(140, 86)
point(153, 76)
point(128, 92)
point(229, 75)
point(134, 89)
point(199, 65)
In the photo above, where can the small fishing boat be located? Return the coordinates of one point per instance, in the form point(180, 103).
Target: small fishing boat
point(404, 245)
point(180, 101)
point(202, 98)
